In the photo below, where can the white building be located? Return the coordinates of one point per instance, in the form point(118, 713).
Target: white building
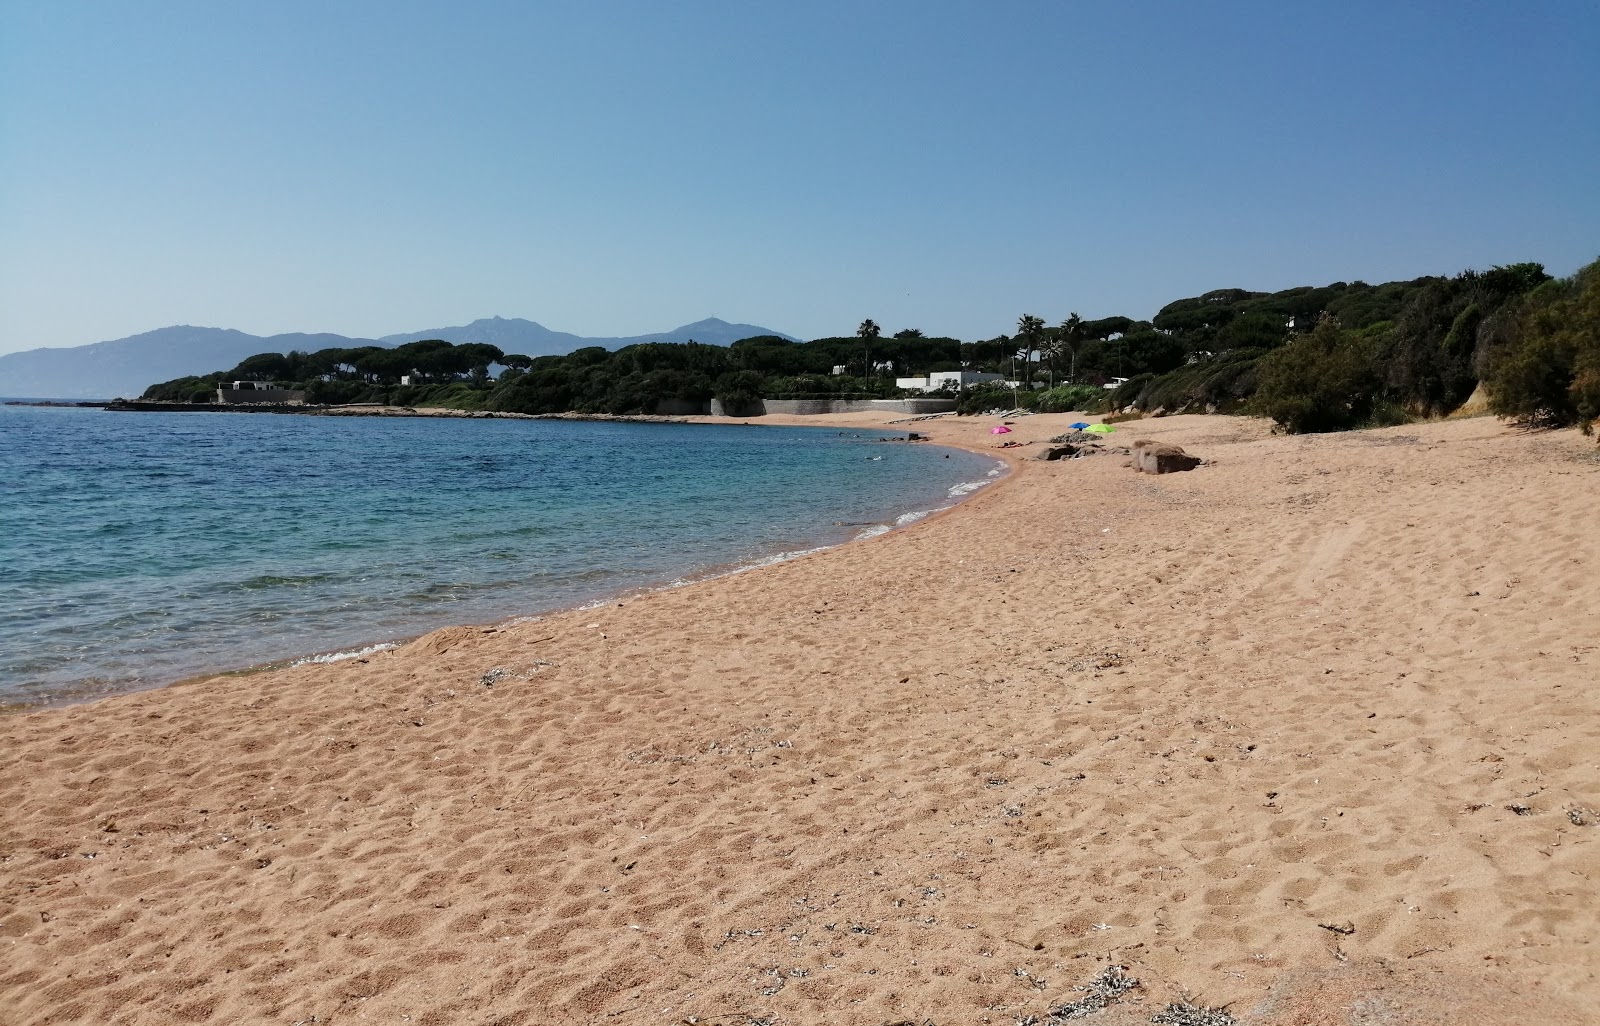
point(949, 380)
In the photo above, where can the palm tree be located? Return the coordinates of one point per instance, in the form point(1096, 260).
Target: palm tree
point(868, 331)
point(1051, 349)
point(1030, 332)
point(1071, 335)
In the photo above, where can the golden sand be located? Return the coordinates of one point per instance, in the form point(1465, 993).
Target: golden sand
point(1312, 732)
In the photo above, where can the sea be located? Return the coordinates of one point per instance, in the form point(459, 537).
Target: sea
point(138, 549)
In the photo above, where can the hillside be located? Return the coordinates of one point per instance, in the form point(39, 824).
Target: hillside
point(515, 335)
point(124, 367)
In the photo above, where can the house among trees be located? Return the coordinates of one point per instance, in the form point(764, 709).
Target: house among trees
point(946, 380)
point(242, 392)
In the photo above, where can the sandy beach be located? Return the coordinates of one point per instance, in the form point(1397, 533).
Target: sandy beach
point(1311, 732)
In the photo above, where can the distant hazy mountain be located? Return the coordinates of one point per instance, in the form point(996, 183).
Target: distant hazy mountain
point(127, 366)
point(516, 335)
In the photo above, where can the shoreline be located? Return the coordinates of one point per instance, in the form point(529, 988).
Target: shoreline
point(369, 647)
point(1298, 732)
point(355, 410)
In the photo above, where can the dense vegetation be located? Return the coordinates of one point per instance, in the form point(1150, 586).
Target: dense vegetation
point(1546, 371)
point(1313, 359)
point(594, 380)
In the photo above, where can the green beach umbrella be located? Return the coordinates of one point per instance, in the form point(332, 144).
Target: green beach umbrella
point(1100, 429)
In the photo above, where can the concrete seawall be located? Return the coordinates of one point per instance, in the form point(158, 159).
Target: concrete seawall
point(816, 407)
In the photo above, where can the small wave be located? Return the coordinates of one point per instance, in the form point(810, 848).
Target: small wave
point(337, 657)
point(912, 517)
point(967, 488)
point(872, 532)
point(781, 557)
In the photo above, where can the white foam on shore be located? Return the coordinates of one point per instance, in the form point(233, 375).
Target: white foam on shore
point(966, 488)
point(339, 657)
point(774, 560)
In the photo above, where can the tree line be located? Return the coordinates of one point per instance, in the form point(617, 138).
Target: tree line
point(1312, 358)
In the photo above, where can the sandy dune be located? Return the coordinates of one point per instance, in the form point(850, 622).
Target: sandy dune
point(1313, 731)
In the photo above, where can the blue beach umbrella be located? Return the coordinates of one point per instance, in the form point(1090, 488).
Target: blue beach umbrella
point(1079, 426)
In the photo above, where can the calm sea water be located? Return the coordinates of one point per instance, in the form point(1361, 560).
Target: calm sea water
point(140, 548)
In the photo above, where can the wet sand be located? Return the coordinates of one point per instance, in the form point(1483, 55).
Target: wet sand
point(1312, 732)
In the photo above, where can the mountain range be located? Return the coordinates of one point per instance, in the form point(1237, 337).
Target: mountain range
point(127, 366)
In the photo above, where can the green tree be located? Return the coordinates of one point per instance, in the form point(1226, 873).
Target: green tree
point(867, 332)
point(1327, 380)
point(1051, 347)
point(1030, 333)
point(263, 367)
point(1551, 374)
point(739, 389)
point(1070, 337)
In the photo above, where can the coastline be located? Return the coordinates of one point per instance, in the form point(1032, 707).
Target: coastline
point(1085, 717)
point(355, 410)
point(360, 650)
point(366, 647)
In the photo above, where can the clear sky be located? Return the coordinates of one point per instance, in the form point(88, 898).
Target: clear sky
point(618, 168)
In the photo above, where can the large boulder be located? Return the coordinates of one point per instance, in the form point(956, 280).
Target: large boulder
point(1161, 458)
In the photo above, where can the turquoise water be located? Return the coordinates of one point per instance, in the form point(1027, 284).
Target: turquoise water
point(141, 548)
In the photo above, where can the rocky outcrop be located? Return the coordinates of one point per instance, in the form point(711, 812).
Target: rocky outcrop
point(1161, 458)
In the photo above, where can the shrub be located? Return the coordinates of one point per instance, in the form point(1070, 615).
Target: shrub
point(1325, 381)
point(1194, 385)
point(335, 393)
point(457, 395)
point(1221, 383)
point(1550, 375)
point(1127, 393)
point(180, 390)
point(1068, 398)
point(739, 389)
point(983, 398)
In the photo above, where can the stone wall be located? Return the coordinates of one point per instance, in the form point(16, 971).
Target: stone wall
point(680, 408)
point(234, 397)
point(721, 409)
point(811, 407)
point(805, 407)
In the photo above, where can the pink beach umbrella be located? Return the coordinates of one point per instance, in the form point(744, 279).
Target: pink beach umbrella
point(1001, 430)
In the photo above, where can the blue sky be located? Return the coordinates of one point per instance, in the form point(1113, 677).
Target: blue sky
point(619, 168)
